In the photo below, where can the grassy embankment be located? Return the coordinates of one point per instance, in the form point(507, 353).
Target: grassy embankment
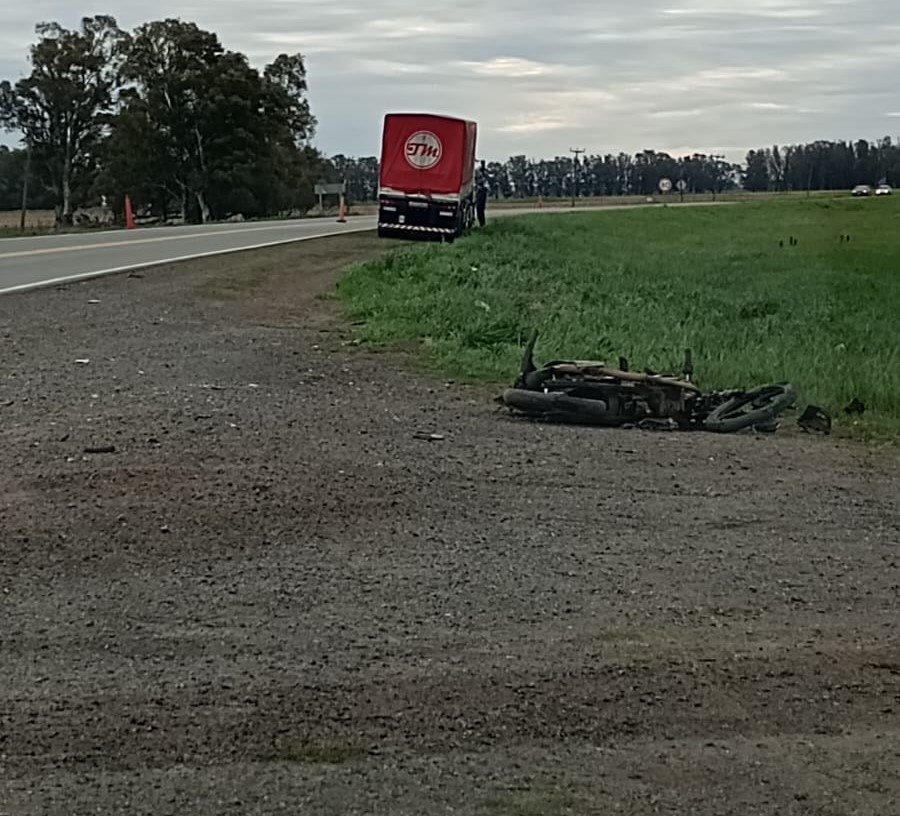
point(648, 283)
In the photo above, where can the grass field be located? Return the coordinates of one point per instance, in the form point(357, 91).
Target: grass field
point(648, 283)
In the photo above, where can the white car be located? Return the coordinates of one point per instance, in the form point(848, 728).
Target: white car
point(883, 189)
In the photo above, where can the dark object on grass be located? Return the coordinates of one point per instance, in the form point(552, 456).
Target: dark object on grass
point(815, 420)
point(855, 407)
point(593, 393)
point(687, 368)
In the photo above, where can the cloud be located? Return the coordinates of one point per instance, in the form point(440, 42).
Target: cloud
point(716, 76)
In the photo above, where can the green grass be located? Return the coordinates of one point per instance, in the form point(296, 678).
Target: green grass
point(649, 283)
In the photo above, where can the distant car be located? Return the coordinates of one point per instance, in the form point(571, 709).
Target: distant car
point(883, 189)
point(861, 190)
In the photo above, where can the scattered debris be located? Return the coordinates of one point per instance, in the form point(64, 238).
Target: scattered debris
point(815, 419)
point(429, 437)
point(101, 449)
point(593, 393)
point(658, 424)
point(856, 406)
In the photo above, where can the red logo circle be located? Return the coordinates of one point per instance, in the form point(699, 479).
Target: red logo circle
point(423, 150)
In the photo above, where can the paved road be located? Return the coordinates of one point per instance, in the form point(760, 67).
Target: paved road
point(29, 262)
point(26, 263)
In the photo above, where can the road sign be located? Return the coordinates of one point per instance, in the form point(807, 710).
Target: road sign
point(681, 184)
point(322, 190)
point(330, 189)
point(665, 185)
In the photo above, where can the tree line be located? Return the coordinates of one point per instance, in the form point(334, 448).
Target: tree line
point(823, 165)
point(191, 131)
point(820, 165)
point(164, 114)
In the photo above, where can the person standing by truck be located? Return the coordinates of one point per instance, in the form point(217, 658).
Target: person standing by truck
point(481, 202)
point(482, 188)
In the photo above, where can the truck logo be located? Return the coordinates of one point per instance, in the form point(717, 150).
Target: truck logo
point(423, 150)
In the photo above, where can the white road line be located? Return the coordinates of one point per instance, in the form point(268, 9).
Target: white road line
point(136, 241)
point(24, 287)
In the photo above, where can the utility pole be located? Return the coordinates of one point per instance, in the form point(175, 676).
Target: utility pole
point(576, 152)
point(716, 170)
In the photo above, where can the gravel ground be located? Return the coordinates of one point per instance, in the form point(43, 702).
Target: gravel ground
point(274, 597)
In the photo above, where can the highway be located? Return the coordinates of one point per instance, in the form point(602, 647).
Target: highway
point(27, 263)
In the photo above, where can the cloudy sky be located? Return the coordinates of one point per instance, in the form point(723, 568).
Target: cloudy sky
point(540, 77)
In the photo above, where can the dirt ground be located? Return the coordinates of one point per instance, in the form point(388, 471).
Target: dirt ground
point(274, 597)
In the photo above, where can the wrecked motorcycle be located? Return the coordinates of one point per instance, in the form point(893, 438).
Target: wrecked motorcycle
point(587, 392)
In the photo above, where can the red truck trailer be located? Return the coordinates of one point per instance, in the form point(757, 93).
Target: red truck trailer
point(426, 185)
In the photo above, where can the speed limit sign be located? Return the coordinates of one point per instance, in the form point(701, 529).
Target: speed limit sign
point(665, 185)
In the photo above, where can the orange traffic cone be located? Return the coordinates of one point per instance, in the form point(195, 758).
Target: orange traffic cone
point(129, 215)
point(342, 216)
